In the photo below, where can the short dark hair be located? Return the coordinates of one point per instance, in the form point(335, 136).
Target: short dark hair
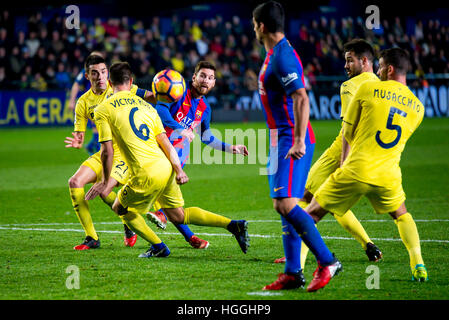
point(398, 58)
point(119, 73)
point(92, 59)
point(204, 65)
point(360, 47)
point(271, 14)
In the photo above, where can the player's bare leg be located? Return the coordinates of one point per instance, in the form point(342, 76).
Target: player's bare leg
point(410, 237)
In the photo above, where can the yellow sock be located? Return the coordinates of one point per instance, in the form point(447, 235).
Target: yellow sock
point(109, 200)
point(156, 206)
point(200, 217)
point(81, 208)
point(410, 238)
point(137, 224)
point(350, 223)
point(304, 248)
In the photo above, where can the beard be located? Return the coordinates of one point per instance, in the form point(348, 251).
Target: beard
point(200, 90)
point(383, 76)
point(353, 73)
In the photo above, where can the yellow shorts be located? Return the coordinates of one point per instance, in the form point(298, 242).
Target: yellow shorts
point(120, 170)
point(341, 191)
point(139, 193)
point(321, 170)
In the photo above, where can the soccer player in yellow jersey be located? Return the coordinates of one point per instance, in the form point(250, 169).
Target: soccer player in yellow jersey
point(359, 56)
point(155, 169)
point(90, 170)
point(379, 120)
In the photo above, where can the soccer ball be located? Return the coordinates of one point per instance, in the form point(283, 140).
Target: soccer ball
point(168, 86)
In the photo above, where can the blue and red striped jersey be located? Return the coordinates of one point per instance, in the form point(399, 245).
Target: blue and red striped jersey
point(281, 74)
point(189, 113)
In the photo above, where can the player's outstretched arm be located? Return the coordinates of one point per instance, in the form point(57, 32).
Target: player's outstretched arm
point(73, 93)
point(75, 142)
point(208, 138)
point(168, 121)
point(172, 155)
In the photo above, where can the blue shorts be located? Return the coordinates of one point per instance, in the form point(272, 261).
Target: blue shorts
point(90, 124)
point(287, 177)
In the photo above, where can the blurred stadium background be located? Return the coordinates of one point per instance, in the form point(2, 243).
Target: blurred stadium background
point(40, 57)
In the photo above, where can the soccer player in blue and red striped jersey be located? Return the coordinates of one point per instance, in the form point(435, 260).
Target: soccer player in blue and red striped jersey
point(292, 141)
point(180, 119)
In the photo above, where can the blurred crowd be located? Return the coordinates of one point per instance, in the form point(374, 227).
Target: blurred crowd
point(48, 56)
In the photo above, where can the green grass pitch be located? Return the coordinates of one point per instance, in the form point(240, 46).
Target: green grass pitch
point(38, 229)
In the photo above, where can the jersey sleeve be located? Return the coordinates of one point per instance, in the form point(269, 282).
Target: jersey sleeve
point(81, 119)
point(352, 114)
point(157, 125)
point(102, 123)
point(289, 72)
point(207, 137)
point(345, 97)
point(164, 113)
point(138, 91)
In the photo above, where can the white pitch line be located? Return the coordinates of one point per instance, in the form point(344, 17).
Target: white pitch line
point(252, 221)
point(207, 234)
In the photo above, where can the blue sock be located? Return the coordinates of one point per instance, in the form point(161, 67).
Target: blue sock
point(305, 226)
point(185, 231)
point(292, 247)
point(159, 246)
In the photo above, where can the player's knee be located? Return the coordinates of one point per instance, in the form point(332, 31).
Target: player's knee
point(119, 209)
point(174, 215)
point(307, 197)
point(75, 182)
point(281, 208)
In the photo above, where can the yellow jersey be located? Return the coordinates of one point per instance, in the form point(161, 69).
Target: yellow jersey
point(86, 104)
point(347, 91)
point(379, 120)
point(349, 88)
point(133, 124)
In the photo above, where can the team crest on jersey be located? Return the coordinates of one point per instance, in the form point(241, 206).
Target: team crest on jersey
point(198, 114)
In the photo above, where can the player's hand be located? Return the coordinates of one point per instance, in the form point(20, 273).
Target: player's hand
point(181, 177)
point(75, 142)
point(72, 104)
point(187, 133)
point(239, 149)
point(297, 151)
point(97, 189)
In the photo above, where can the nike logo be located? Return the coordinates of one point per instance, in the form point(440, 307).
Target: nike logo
point(277, 189)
